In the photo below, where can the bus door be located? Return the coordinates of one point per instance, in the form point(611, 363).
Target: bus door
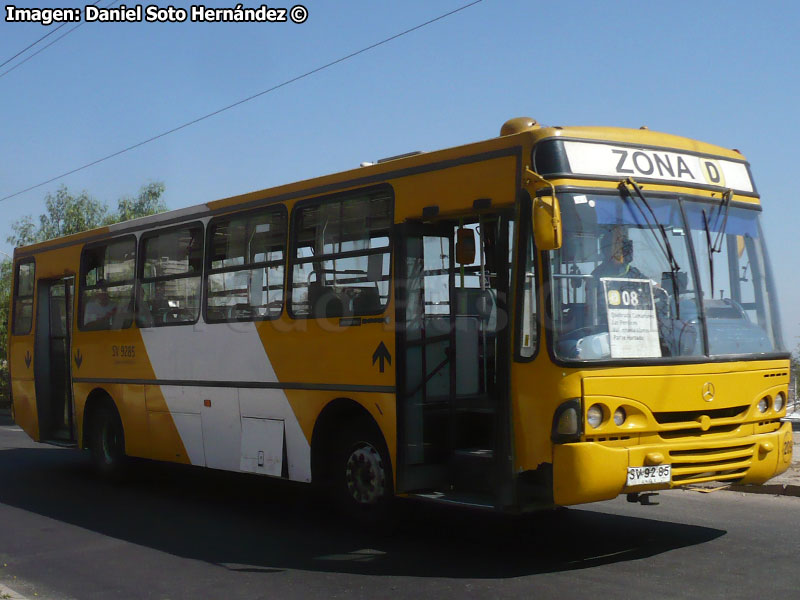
point(52, 360)
point(451, 286)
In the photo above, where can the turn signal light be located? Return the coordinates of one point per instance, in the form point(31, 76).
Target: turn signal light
point(567, 424)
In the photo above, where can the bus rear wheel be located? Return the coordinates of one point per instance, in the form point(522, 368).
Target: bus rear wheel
point(107, 442)
point(362, 475)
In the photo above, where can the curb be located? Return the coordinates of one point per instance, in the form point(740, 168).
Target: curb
point(7, 592)
point(775, 489)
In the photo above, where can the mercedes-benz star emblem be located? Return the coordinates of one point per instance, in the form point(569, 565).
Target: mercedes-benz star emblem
point(708, 391)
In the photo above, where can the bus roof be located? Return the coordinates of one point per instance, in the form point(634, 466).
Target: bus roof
point(525, 133)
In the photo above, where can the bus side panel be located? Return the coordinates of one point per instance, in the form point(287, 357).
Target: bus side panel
point(215, 381)
point(321, 353)
point(164, 439)
point(456, 188)
point(134, 419)
point(23, 391)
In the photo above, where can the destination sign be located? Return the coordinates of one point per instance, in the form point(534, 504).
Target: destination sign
point(632, 323)
point(608, 160)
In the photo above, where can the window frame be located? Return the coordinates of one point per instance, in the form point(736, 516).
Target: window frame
point(524, 236)
point(339, 197)
point(81, 288)
point(15, 297)
point(140, 279)
point(208, 270)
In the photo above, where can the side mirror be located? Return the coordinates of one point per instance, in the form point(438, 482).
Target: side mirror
point(465, 246)
point(547, 222)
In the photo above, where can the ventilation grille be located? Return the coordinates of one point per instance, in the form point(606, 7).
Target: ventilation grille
point(697, 432)
point(711, 464)
point(688, 416)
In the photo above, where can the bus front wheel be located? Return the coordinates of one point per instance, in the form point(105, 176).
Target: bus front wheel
point(107, 442)
point(363, 475)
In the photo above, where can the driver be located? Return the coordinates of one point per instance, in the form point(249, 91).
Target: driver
point(616, 251)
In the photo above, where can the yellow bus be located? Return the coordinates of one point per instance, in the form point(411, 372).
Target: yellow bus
point(555, 316)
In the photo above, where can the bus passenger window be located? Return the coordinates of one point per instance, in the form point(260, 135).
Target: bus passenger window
point(245, 266)
point(341, 256)
point(106, 292)
point(170, 277)
point(23, 298)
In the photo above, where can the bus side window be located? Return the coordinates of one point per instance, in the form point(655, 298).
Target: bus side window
point(106, 285)
point(341, 256)
point(245, 266)
point(170, 274)
point(23, 297)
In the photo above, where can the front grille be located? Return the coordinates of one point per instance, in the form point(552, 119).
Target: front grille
point(674, 434)
point(710, 464)
point(692, 415)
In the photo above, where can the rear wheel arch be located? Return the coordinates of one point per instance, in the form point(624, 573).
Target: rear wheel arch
point(350, 461)
point(338, 415)
point(96, 399)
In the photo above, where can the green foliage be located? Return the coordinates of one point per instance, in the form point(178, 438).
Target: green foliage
point(5, 297)
point(67, 213)
point(147, 202)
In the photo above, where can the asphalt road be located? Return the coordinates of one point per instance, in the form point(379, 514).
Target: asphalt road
point(171, 532)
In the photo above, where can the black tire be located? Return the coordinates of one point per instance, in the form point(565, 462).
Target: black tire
point(107, 442)
point(360, 476)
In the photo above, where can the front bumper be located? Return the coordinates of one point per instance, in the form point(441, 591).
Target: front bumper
point(590, 471)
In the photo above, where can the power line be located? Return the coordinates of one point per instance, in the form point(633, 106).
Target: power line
point(26, 48)
point(248, 99)
point(40, 50)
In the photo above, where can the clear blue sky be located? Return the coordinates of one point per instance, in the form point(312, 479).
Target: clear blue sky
point(722, 72)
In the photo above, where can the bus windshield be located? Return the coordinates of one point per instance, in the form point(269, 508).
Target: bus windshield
point(624, 286)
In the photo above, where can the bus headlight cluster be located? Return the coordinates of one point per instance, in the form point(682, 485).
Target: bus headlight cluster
point(780, 402)
point(763, 405)
point(595, 414)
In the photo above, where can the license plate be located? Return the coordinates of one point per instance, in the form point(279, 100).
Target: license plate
point(649, 475)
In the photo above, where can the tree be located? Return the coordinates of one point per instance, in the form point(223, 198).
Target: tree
point(5, 296)
point(794, 379)
point(65, 214)
point(147, 202)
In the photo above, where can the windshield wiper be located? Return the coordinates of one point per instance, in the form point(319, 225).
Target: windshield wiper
point(716, 245)
point(666, 247)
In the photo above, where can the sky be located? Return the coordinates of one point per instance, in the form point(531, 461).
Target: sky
point(722, 72)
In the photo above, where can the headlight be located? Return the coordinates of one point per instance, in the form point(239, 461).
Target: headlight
point(594, 415)
point(763, 405)
point(619, 416)
point(780, 402)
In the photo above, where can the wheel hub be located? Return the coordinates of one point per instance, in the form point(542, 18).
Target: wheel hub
point(365, 477)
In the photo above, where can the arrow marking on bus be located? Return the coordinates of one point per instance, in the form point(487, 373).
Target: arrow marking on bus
point(28, 359)
point(382, 353)
point(78, 358)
